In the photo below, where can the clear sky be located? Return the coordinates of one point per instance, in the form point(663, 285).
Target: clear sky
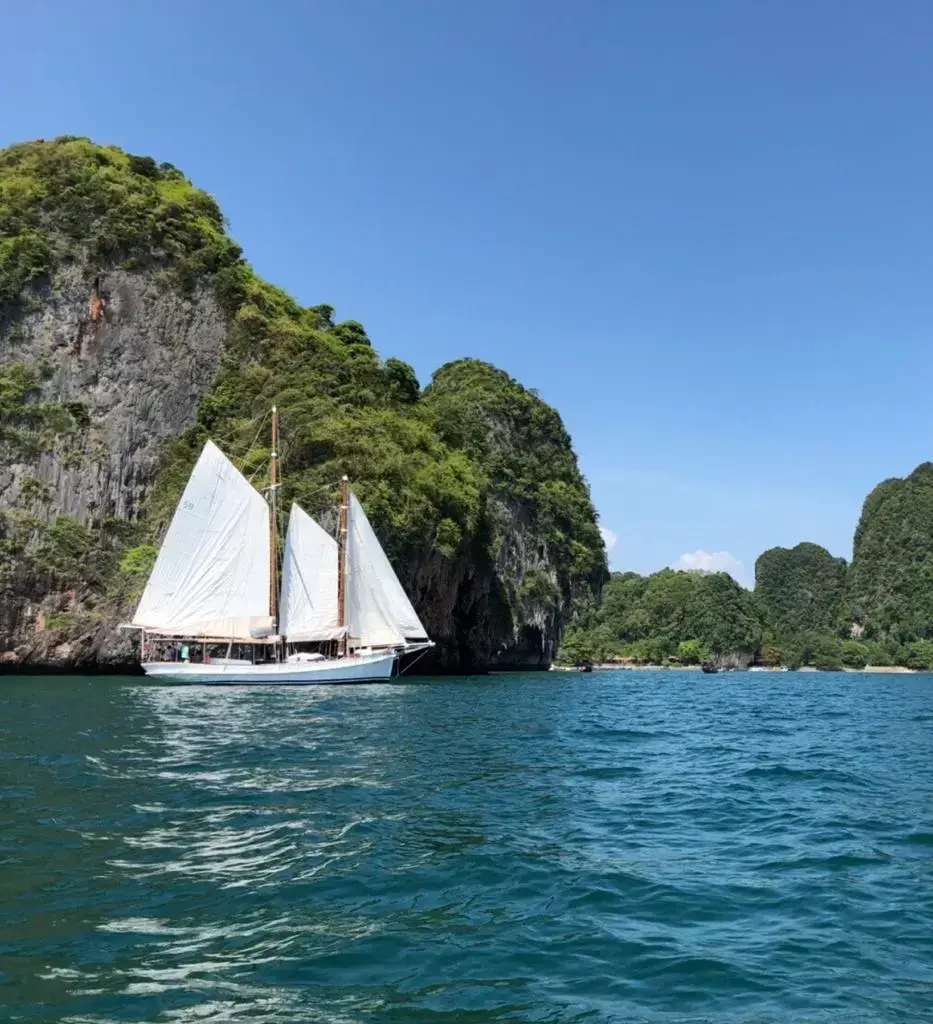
point(700, 228)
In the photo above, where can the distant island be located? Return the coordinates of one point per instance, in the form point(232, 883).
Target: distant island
point(807, 609)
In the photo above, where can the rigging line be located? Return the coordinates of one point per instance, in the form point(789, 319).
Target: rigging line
point(415, 662)
point(229, 446)
point(258, 469)
point(313, 490)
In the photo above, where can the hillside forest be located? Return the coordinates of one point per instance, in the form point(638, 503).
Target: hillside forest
point(807, 607)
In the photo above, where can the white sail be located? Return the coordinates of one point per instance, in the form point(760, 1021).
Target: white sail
point(211, 578)
point(379, 613)
point(308, 605)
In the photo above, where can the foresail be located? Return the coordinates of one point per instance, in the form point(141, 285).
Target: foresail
point(378, 610)
point(211, 578)
point(308, 605)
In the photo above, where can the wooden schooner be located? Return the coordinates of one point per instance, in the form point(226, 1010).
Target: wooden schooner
point(217, 610)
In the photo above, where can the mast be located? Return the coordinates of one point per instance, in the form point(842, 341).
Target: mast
point(273, 517)
point(342, 560)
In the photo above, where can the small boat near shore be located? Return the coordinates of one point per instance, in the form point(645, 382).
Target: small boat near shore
point(223, 605)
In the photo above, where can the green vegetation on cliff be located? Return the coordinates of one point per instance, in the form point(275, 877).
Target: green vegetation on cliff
point(808, 607)
point(689, 617)
point(476, 471)
point(891, 577)
point(71, 199)
point(800, 589)
point(28, 425)
point(525, 453)
point(814, 609)
point(341, 410)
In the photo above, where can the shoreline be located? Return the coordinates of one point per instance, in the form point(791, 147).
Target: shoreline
point(616, 667)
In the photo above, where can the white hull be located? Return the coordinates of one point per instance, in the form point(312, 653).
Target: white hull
point(366, 668)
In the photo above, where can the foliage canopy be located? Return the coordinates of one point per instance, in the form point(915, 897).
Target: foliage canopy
point(799, 589)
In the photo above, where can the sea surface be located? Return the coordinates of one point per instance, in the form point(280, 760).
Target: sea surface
point(615, 847)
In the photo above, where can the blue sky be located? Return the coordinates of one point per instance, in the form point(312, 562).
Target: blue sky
point(702, 230)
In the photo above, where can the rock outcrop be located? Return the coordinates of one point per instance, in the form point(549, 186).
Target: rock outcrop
point(538, 538)
point(131, 329)
point(139, 371)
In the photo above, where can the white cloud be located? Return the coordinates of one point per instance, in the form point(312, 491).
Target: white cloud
point(609, 538)
point(711, 561)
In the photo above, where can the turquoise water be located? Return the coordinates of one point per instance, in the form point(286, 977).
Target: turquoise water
point(616, 847)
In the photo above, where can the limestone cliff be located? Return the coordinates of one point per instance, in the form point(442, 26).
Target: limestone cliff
point(539, 534)
point(139, 371)
point(131, 329)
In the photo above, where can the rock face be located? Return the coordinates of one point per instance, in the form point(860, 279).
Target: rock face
point(137, 374)
point(139, 371)
point(505, 610)
point(131, 330)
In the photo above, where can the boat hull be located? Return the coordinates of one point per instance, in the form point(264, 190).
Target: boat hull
point(367, 668)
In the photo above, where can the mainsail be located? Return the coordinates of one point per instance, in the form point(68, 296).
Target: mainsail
point(379, 613)
point(308, 604)
point(211, 578)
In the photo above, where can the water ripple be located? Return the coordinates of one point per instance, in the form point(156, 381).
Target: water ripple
point(619, 847)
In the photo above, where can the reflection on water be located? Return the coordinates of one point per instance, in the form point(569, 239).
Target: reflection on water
point(641, 848)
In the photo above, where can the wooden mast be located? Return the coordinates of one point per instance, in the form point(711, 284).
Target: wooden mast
point(342, 561)
point(273, 518)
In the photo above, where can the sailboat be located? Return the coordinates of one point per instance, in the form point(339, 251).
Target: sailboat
point(216, 609)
